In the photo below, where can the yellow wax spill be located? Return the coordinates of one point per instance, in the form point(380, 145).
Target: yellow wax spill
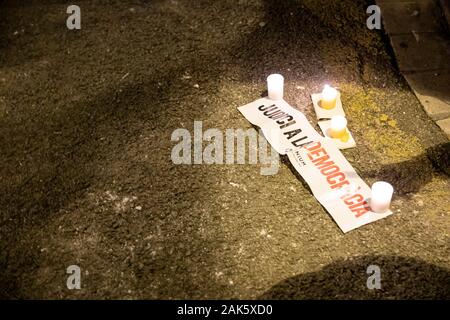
point(345, 137)
point(328, 105)
point(392, 123)
point(390, 144)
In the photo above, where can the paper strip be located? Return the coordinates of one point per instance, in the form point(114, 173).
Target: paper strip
point(335, 184)
point(283, 126)
point(332, 179)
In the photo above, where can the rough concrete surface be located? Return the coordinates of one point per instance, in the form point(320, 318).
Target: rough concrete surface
point(86, 176)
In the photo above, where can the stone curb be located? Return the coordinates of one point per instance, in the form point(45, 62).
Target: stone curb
point(419, 34)
point(445, 5)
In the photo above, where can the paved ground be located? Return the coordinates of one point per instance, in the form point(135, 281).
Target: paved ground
point(86, 176)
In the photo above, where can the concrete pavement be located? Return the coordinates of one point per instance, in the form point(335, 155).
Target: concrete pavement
point(86, 175)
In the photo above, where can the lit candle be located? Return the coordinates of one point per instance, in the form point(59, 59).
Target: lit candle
point(380, 200)
point(275, 83)
point(338, 127)
point(329, 96)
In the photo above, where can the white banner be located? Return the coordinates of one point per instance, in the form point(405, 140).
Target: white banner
point(335, 184)
point(332, 179)
point(283, 126)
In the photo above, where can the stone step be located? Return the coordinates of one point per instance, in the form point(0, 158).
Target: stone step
point(445, 5)
point(419, 34)
point(421, 51)
point(432, 88)
point(407, 16)
point(445, 126)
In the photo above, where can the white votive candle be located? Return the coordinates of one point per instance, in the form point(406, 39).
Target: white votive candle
point(380, 200)
point(329, 97)
point(338, 126)
point(275, 84)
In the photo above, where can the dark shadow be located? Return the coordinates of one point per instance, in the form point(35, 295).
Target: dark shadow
point(401, 278)
point(445, 9)
point(68, 151)
point(439, 156)
point(21, 35)
point(411, 175)
point(293, 32)
point(407, 176)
